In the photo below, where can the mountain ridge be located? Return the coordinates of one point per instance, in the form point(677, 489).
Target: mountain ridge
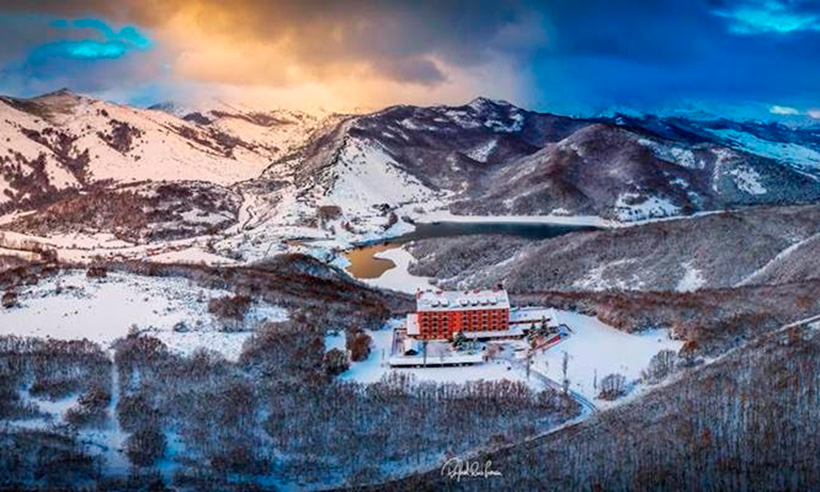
point(378, 172)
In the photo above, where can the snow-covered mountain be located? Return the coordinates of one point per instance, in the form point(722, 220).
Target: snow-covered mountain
point(63, 141)
point(279, 174)
point(492, 158)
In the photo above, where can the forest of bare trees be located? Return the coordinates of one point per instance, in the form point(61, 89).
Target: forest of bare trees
point(269, 413)
point(276, 414)
point(279, 416)
point(50, 370)
point(745, 422)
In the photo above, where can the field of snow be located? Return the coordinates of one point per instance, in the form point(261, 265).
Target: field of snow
point(375, 366)
point(102, 310)
point(334, 341)
point(595, 348)
point(784, 152)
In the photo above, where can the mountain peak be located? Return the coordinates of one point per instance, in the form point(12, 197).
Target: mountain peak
point(59, 100)
point(481, 103)
point(60, 93)
point(172, 108)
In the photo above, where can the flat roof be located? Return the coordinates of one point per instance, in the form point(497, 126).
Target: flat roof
point(413, 324)
point(532, 315)
point(462, 300)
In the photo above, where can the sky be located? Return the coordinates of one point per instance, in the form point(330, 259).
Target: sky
point(748, 58)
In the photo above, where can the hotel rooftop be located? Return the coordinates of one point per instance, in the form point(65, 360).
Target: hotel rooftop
point(462, 300)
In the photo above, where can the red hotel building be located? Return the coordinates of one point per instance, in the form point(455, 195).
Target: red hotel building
point(440, 314)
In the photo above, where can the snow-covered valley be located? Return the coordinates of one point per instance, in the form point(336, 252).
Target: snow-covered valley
point(209, 258)
point(243, 184)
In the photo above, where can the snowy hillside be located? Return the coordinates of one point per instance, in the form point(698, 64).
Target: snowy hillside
point(62, 140)
point(247, 180)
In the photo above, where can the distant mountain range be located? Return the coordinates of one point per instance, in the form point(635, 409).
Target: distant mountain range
point(371, 172)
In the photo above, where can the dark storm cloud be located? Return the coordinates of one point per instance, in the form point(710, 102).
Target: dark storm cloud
point(653, 53)
point(593, 52)
point(397, 37)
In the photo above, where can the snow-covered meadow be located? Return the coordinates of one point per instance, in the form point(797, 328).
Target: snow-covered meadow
point(71, 306)
point(595, 350)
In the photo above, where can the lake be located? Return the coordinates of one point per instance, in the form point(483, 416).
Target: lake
point(364, 265)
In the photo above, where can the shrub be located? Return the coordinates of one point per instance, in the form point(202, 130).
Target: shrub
point(96, 271)
point(91, 409)
point(9, 299)
point(612, 387)
point(230, 307)
point(329, 212)
point(358, 343)
point(145, 446)
point(336, 362)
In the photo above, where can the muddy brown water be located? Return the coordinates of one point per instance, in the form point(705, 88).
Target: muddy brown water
point(364, 264)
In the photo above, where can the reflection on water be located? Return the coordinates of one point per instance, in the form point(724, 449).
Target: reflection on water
point(534, 231)
point(363, 264)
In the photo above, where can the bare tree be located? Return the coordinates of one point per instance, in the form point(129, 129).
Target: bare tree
point(564, 367)
point(660, 366)
point(529, 363)
point(612, 387)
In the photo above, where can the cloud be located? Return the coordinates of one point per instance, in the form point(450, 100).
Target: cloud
point(80, 50)
point(43, 53)
point(770, 16)
point(550, 54)
point(393, 38)
point(783, 110)
point(113, 43)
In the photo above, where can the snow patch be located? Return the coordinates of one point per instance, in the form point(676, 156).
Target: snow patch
point(398, 278)
point(692, 279)
point(597, 279)
point(676, 155)
point(779, 151)
point(369, 177)
point(632, 206)
point(596, 350)
point(748, 180)
point(482, 152)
